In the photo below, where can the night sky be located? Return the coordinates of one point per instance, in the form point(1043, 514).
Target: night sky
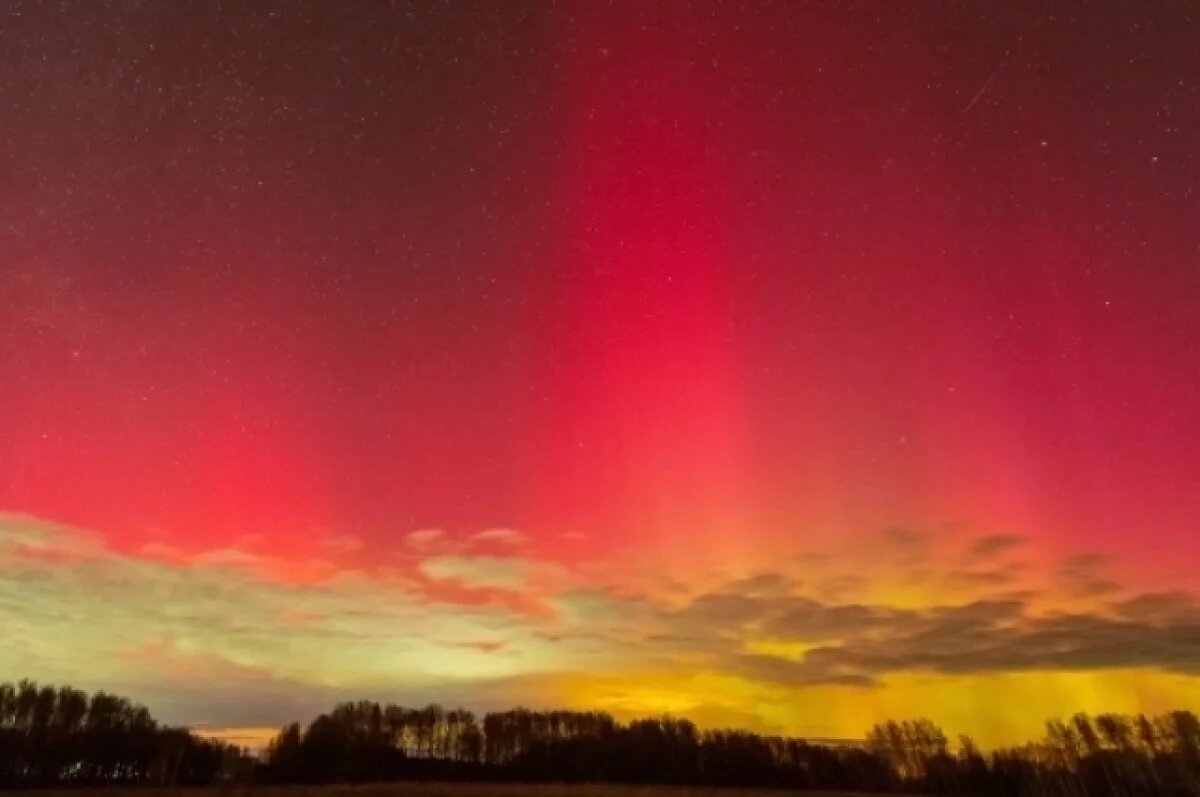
point(721, 358)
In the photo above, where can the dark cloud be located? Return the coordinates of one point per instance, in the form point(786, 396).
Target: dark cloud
point(904, 537)
point(1084, 562)
point(1160, 607)
point(807, 619)
point(721, 610)
point(1093, 587)
point(763, 583)
point(995, 577)
point(1082, 576)
point(995, 545)
point(855, 643)
point(789, 672)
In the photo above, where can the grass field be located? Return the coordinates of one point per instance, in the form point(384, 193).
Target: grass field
point(418, 789)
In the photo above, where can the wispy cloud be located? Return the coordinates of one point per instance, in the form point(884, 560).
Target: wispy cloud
point(995, 545)
point(498, 572)
point(422, 539)
point(74, 610)
point(504, 537)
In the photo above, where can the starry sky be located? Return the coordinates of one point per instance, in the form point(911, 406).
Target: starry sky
point(782, 365)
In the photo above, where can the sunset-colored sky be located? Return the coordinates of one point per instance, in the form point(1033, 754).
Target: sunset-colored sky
point(783, 365)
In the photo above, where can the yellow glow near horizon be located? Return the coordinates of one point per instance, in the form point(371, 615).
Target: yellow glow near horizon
point(960, 704)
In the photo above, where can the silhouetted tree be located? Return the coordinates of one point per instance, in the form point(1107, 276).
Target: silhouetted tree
point(62, 736)
point(54, 736)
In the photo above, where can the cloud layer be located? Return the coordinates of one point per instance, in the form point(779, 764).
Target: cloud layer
point(223, 639)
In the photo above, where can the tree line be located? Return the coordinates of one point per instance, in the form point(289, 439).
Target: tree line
point(52, 736)
point(62, 736)
point(1109, 755)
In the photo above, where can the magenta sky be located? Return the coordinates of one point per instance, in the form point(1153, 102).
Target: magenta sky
point(536, 317)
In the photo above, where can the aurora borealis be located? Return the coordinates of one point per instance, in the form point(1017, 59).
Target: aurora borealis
point(785, 365)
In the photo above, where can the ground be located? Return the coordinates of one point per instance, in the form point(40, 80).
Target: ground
point(418, 789)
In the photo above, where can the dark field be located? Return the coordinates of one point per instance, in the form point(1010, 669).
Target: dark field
point(418, 789)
